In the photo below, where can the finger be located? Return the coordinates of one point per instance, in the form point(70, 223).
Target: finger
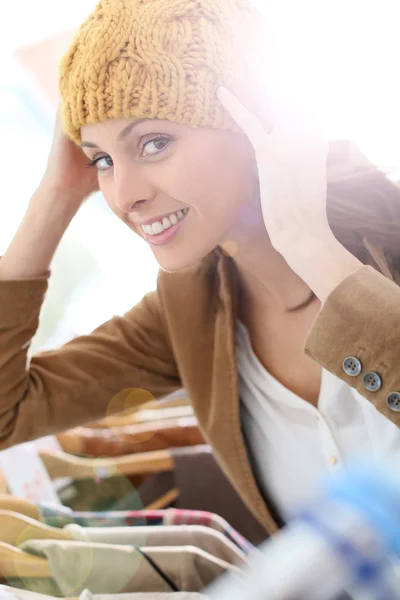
point(245, 119)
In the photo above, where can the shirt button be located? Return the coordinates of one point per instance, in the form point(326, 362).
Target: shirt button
point(333, 460)
point(372, 381)
point(393, 401)
point(352, 366)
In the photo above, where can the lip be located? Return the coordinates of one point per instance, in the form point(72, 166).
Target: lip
point(166, 236)
point(158, 218)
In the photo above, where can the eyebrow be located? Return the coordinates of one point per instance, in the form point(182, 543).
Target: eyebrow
point(121, 136)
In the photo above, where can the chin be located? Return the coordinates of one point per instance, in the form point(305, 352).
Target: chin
point(186, 247)
point(172, 262)
point(184, 253)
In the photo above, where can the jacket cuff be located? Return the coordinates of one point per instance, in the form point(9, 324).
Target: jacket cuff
point(356, 337)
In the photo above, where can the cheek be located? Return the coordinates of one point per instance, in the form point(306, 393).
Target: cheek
point(229, 182)
point(108, 195)
point(182, 179)
point(210, 177)
point(106, 187)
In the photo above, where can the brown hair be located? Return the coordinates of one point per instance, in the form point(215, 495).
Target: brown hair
point(363, 207)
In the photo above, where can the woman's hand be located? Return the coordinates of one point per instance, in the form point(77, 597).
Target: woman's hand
point(65, 184)
point(291, 161)
point(66, 172)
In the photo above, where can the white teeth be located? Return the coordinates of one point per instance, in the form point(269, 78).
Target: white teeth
point(157, 227)
point(167, 222)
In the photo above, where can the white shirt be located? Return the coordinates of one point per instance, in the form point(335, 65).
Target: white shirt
point(292, 443)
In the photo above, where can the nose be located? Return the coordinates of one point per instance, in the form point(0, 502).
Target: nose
point(132, 188)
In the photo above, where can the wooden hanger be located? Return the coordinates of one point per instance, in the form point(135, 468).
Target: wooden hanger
point(16, 563)
point(143, 412)
point(20, 506)
point(164, 501)
point(60, 464)
point(169, 412)
point(119, 440)
point(29, 509)
point(16, 528)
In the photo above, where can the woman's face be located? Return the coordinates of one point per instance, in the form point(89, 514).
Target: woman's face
point(184, 190)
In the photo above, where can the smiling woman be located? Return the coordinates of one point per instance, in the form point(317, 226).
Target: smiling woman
point(178, 180)
point(276, 305)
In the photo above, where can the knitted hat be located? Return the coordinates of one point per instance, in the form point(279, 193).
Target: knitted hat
point(164, 59)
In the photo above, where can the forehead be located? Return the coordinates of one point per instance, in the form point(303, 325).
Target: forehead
point(114, 126)
point(120, 129)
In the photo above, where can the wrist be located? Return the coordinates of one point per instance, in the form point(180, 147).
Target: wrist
point(54, 202)
point(325, 263)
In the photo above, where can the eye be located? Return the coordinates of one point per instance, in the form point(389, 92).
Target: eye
point(157, 144)
point(96, 161)
point(154, 145)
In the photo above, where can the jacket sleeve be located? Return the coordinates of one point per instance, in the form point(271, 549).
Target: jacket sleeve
point(125, 362)
point(361, 320)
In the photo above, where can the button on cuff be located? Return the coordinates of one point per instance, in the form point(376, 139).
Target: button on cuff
point(352, 366)
point(393, 401)
point(372, 381)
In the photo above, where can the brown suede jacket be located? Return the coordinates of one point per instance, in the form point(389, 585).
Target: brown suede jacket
point(183, 335)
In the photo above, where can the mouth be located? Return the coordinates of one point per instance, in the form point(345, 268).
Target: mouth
point(163, 231)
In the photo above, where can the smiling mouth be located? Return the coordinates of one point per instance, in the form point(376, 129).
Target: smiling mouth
point(158, 227)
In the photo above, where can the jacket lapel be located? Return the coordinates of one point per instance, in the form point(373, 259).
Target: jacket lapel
point(224, 431)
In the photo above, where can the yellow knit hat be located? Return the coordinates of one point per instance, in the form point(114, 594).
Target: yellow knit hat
point(164, 59)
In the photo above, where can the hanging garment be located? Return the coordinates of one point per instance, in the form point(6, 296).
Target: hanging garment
point(59, 516)
point(206, 539)
point(192, 473)
point(149, 596)
point(202, 486)
point(104, 568)
point(19, 594)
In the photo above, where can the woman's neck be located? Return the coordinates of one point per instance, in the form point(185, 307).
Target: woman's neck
point(267, 282)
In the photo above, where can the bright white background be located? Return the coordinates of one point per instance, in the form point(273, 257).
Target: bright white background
point(343, 56)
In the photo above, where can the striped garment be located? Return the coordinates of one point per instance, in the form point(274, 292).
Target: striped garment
point(59, 516)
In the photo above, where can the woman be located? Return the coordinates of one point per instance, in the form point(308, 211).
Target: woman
point(260, 296)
